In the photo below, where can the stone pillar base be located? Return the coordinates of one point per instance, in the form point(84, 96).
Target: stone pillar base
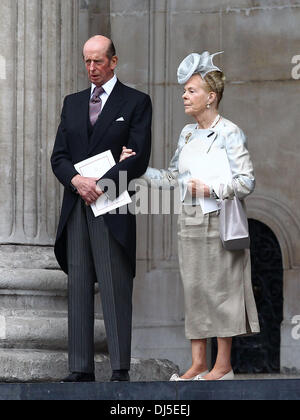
point(19, 366)
point(34, 316)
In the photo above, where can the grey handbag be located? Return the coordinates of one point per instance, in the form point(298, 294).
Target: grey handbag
point(234, 227)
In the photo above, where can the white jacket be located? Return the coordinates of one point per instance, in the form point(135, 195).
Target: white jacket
point(224, 135)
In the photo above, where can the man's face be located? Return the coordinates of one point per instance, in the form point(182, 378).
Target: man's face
point(99, 67)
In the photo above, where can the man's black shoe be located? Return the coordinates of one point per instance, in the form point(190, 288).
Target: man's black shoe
point(79, 377)
point(120, 376)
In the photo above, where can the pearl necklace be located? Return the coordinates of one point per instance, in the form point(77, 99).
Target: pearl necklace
point(216, 121)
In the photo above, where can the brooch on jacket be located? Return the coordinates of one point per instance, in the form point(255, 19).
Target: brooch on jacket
point(187, 138)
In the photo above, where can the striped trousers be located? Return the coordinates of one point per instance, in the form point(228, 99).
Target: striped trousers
point(95, 256)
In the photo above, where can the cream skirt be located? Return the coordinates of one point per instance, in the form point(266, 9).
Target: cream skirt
point(219, 300)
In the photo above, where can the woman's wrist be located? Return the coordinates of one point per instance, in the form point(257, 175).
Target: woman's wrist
point(207, 191)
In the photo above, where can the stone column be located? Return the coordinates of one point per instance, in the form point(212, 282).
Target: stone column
point(39, 48)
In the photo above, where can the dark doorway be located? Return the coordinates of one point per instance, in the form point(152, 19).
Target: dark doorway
point(261, 353)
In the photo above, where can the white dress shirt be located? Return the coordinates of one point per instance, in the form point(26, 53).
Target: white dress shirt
point(108, 88)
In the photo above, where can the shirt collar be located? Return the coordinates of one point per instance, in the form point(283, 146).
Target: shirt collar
point(108, 86)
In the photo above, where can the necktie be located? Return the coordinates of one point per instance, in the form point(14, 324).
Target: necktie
point(96, 105)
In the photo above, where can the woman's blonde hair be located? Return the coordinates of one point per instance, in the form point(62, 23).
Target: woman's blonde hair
point(215, 81)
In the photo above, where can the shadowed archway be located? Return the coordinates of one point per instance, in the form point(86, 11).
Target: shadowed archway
point(261, 353)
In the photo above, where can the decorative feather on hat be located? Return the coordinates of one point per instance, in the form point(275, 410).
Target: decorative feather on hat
point(196, 64)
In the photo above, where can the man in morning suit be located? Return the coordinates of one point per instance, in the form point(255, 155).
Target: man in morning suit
point(105, 117)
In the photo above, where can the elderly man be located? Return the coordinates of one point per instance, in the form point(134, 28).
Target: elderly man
point(104, 117)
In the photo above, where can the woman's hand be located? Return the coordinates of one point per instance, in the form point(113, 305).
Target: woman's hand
point(198, 189)
point(126, 153)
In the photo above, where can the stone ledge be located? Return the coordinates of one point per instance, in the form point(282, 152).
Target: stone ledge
point(158, 392)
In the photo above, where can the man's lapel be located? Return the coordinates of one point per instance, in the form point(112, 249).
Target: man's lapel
point(107, 116)
point(83, 114)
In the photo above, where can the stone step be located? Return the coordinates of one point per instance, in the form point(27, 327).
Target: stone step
point(46, 366)
point(155, 398)
point(41, 330)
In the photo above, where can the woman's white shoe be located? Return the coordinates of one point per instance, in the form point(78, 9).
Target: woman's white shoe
point(176, 377)
point(228, 377)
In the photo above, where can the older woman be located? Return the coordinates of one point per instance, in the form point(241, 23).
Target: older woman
point(219, 299)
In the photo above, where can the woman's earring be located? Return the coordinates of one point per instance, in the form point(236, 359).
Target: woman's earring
point(208, 106)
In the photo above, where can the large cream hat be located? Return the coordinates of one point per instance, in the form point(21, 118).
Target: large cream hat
point(196, 63)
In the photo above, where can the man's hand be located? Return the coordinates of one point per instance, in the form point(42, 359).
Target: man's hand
point(87, 189)
point(198, 189)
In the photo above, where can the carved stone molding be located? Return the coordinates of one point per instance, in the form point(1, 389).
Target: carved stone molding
point(284, 223)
